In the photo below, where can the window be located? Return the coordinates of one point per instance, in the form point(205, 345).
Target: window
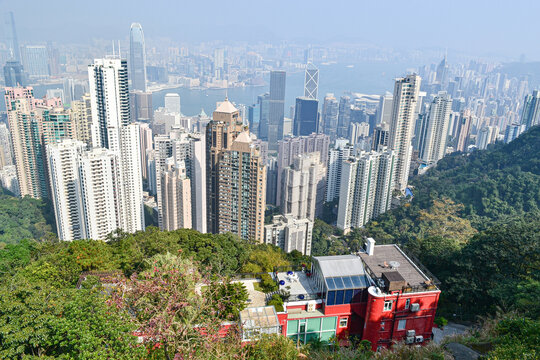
point(343, 322)
point(407, 303)
point(401, 324)
point(382, 325)
point(388, 305)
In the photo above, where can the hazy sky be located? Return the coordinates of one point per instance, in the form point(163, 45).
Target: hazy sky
point(478, 27)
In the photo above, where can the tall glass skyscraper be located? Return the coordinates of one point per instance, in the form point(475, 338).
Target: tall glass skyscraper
point(11, 32)
point(137, 58)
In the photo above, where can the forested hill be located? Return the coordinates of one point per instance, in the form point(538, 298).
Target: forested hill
point(501, 182)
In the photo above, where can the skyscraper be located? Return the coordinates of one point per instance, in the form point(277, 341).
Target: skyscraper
point(276, 108)
point(432, 146)
point(26, 127)
point(6, 158)
point(487, 135)
point(303, 185)
point(112, 128)
point(402, 126)
point(99, 173)
point(306, 116)
point(311, 81)
point(290, 147)
point(36, 60)
point(175, 196)
point(137, 58)
point(13, 74)
point(12, 40)
point(463, 130)
point(242, 190)
point(141, 106)
point(365, 189)
point(330, 116)
point(531, 110)
point(66, 192)
point(235, 178)
point(339, 153)
point(380, 136)
point(146, 146)
point(263, 101)
point(344, 116)
point(172, 103)
point(81, 114)
point(384, 112)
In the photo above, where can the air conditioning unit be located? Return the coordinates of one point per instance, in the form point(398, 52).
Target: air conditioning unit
point(409, 340)
point(411, 333)
point(418, 339)
point(415, 307)
point(311, 306)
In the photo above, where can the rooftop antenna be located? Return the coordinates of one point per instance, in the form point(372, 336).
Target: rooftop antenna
point(119, 50)
point(226, 94)
point(113, 47)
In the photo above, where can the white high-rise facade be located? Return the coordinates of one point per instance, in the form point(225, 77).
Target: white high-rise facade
point(366, 188)
point(402, 126)
point(302, 187)
point(340, 152)
point(112, 129)
point(99, 172)
point(63, 162)
point(432, 146)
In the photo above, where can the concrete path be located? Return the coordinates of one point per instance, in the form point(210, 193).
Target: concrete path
point(462, 352)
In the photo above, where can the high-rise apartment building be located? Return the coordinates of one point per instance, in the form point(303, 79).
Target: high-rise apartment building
point(175, 196)
point(31, 128)
point(341, 151)
point(289, 148)
point(6, 157)
point(306, 116)
point(66, 192)
point(434, 133)
point(531, 110)
point(137, 58)
point(365, 189)
point(235, 177)
point(311, 81)
point(357, 131)
point(276, 108)
point(81, 114)
point(113, 129)
point(146, 146)
point(242, 190)
point(487, 135)
point(330, 116)
point(290, 234)
point(302, 187)
point(381, 134)
point(99, 172)
point(512, 132)
point(263, 102)
point(402, 126)
point(463, 130)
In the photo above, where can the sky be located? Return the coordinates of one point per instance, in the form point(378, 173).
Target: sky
point(477, 27)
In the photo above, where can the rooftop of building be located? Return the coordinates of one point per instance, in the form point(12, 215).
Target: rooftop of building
point(340, 265)
point(297, 284)
point(391, 260)
point(226, 107)
point(259, 317)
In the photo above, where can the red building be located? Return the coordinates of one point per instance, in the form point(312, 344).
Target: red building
point(380, 295)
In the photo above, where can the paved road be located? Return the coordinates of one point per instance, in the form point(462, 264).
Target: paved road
point(449, 329)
